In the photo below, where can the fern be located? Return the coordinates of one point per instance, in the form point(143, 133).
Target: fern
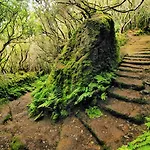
point(142, 142)
point(58, 98)
point(94, 112)
point(64, 113)
point(93, 86)
point(83, 97)
point(148, 122)
point(103, 96)
point(100, 79)
point(46, 104)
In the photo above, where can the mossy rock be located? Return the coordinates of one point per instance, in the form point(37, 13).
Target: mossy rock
point(91, 50)
point(93, 43)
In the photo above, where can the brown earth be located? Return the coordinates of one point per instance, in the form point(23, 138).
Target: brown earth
point(121, 123)
point(135, 43)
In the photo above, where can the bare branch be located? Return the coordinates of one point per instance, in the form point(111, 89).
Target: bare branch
point(125, 11)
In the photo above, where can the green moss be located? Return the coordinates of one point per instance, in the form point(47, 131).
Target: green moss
point(91, 51)
point(3, 101)
point(16, 144)
point(139, 32)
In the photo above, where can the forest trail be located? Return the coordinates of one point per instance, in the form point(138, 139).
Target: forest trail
point(124, 111)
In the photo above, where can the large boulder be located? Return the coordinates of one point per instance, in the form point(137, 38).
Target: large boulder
point(90, 51)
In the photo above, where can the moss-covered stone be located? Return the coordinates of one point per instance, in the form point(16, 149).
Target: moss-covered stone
point(90, 51)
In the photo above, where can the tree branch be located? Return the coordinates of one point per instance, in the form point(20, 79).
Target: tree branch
point(125, 11)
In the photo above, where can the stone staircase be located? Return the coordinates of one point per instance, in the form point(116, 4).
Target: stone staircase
point(123, 118)
point(127, 105)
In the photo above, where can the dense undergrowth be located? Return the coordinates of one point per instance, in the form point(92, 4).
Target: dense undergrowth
point(46, 97)
point(13, 86)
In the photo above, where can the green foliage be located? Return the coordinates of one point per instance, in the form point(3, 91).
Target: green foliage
point(81, 74)
point(14, 85)
point(103, 96)
point(139, 32)
point(3, 101)
point(94, 112)
point(140, 143)
point(16, 144)
point(148, 122)
point(47, 101)
point(121, 39)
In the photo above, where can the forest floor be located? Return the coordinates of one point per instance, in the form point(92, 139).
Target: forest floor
point(122, 121)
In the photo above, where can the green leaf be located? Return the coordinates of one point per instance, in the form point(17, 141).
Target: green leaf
point(83, 97)
point(94, 112)
point(93, 86)
point(39, 116)
point(46, 104)
point(103, 96)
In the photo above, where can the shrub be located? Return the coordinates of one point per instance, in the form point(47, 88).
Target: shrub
point(13, 86)
point(121, 39)
point(139, 32)
point(94, 112)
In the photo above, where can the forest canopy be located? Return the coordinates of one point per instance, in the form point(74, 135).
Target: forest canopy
point(33, 33)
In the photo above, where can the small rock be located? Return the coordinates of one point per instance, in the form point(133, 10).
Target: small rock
point(44, 142)
point(92, 142)
point(145, 92)
point(121, 125)
point(126, 137)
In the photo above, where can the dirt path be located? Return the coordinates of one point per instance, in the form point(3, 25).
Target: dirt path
point(135, 43)
point(124, 111)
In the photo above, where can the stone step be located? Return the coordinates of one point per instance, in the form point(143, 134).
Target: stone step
point(145, 49)
point(136, 66)
point(73, 132)
point(136, 58)
point(110, 129)
point(124, 82)
point(129, 69)
point(140, 56)
point(127, 95)
point(147, 52)
point(129, 74)
point(131, 66)
point(133, 112)
point(136, 62)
